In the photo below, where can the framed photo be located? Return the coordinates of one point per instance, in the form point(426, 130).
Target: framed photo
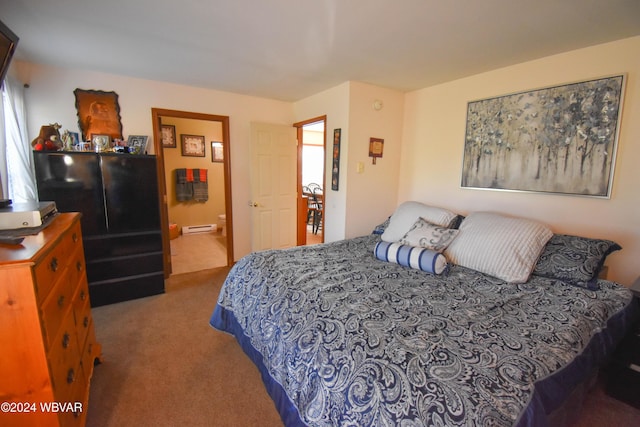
point(137, 144)
point(98, 113)
point(168, 136)
point(70, 140)
point(100, 142)
point(75, 140)
point(217, 153)
point(192, 145)
point(560, 139)
point(335, 168)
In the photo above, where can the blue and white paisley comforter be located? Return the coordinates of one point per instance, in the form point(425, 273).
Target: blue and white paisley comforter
point(342, 338)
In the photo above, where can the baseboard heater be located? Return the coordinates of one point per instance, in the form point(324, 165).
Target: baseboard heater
point(205, 228)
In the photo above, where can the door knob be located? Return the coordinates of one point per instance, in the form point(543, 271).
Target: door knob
point(253, 204)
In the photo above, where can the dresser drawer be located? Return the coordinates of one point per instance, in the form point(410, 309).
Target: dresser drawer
point(64, 362)
point(118, 245)
point(119, 267)
point(79, 402)
point(77, 266)
point(56, 307)
point(82, 312)
point(50, 268)
point(90, 351)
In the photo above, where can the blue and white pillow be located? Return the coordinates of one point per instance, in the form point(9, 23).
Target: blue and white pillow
point(411, 256)
point(424, 234)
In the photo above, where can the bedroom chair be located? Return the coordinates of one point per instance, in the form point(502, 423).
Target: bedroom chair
point(313, 187)
point(312, 206)
point(318, 200)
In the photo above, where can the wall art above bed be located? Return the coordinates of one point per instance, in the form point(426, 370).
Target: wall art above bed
point(560, 139)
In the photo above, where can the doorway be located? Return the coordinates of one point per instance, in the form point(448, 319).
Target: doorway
point(195, 241)
point(311, 179)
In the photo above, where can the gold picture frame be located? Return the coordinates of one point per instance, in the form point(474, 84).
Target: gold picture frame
point(98, 113)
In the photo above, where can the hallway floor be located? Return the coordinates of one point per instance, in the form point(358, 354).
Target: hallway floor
point(199, 251)
point(203, 251)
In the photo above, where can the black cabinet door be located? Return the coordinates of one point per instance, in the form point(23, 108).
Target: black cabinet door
point(131, 193)
point(74, 182)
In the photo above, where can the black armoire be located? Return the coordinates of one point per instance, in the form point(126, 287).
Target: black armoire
point(118, 197)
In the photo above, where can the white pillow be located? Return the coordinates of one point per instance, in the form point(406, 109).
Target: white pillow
point(407, 214)
point(424, 234)
point(504, 247)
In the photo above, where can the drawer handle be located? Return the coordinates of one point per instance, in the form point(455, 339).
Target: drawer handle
point(74, 237)
point(83, 295)
point(65, 340)
point(85, 322)
point(79, 266)
point(61, 301)
point(54, 264)
point(71, 376)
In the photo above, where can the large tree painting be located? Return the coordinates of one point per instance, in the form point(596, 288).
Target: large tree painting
point(560, 139)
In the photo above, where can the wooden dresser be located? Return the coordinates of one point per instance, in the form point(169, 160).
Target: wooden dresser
point(47, 337)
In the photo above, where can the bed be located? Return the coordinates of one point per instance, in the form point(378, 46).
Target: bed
point(344, 335)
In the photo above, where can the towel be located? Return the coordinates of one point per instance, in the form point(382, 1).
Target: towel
point(200, 185)
point(184, 189)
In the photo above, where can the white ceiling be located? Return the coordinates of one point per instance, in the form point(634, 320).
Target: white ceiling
point(290, 49)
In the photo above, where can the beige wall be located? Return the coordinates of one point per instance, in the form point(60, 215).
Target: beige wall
point(423, 132)
point(334, 103)
point(363, 198)
point(434, 131)
point(372, 193)
point(50, 99)
point(192, 212)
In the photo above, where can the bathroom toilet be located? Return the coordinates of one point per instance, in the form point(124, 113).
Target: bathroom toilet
point(222, 224)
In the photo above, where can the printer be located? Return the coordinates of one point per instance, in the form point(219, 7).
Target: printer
point(25, 215)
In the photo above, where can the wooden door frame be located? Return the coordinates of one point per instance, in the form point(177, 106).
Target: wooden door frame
point(299, 130)
point(156, 115)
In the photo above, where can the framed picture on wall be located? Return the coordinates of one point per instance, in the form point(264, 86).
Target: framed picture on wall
point(192, 145)
point(217, 154)
point(168, 136)
point(335, 168)
point(559, 139)
point(98, 113)
point(376, 146)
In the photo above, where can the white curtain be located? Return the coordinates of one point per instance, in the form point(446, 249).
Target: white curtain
point(18, 165)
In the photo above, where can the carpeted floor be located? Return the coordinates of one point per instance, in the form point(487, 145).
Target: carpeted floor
point(163, 365)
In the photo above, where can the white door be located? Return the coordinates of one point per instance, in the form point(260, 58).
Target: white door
point(273, 186)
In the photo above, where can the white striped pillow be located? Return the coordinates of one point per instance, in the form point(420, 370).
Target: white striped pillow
point(504, 247)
